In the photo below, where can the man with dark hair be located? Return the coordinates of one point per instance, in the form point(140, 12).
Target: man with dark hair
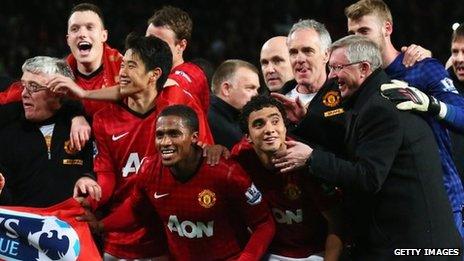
point(437, 96)
point(174, 26)
point(205, 209)
point(40, 167)
point(95, 64)
point(306, 223)
point(233, 85)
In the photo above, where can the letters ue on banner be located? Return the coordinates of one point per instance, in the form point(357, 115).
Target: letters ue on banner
point(45, 233)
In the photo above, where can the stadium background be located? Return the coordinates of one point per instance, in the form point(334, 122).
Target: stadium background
point(222, 29)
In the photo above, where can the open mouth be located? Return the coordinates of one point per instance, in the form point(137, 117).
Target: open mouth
point(270, 140)
point(166, 154)
point(84, 47)
point(27, 105)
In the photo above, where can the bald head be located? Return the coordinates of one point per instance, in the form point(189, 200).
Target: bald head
point(275, 64)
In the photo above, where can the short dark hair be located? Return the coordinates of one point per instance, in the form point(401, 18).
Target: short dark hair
point(82, 7)
point(257, 103)
point(177, 19)
point(458, 33)
point(154, 53)
point(187, 114)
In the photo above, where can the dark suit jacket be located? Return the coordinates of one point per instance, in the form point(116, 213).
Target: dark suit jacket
point(224, 122)
point(393, 181)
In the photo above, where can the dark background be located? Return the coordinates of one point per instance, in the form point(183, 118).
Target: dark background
point(222, 29)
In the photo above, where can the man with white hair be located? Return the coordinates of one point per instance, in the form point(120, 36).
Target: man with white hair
point(391, 176)
point(39, 165)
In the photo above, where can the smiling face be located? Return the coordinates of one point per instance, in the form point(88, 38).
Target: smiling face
point(306, 57)
point(174, 140)
point(85, 38)
point(133, 71)
point(275, 63)
point(350, 77)
point(457, 57)
point(266, 130)
point(42, 104)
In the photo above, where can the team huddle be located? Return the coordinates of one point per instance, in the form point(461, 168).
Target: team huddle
point(345, 154)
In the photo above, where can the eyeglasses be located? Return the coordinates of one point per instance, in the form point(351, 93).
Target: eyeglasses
point(32, 87)
point(337, 68)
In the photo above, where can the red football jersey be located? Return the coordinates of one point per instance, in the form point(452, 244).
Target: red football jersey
point(191, 77)
point(12, 93)
point(124, 138)
point(106, 76)
point(296, 202)
point(203, 217)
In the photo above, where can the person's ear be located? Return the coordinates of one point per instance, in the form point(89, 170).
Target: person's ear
point(195, 136)
point(247, 136)
point(182, 45)
point(104, 35)
point(155, 74)
point(388, 28)
point(226, 87)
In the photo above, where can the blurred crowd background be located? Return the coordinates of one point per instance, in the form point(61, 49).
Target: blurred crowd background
point(222, 29)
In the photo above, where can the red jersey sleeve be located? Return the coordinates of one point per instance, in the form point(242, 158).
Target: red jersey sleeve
point(251, 205)
point(191, 78)
point(103, 166)
point(12, 93)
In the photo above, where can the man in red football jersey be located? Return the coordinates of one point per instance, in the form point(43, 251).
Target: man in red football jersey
point(174, 26)
point(94, 63)
point(307, 223)
point(205, 209)
point(123, 132)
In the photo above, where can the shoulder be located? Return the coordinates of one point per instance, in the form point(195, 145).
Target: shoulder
point(148, 166)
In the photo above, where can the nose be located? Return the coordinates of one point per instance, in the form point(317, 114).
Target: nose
point(332, 74)
point(268, 128)
point(300, 57)
point(270, 68)
point(165, 141)
point(460, 56)
point(25, 93)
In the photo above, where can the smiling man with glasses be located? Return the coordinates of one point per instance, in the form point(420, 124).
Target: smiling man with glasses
point(391, 177)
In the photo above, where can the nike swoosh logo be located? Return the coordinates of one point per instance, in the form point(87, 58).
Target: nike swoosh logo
point(115, 138)
point(157, 196)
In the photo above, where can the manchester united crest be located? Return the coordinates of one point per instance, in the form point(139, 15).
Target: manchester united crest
point(207, 198)
point(292, 191)
point(68, 149)
point(331, 99)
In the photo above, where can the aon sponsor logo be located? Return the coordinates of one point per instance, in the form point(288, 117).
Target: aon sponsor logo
point(288, 217)
point(190, 229)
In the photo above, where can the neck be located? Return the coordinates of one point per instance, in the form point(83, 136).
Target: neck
point(389, 54)
point(143, 101)
point(266, 157)
point(88, 68)
point(185, 169)
point(313, 87)
point(177, 62)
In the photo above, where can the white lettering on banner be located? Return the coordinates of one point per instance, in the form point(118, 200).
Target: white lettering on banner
point(189, 229)
point(7, 224)
point(132, 164)
point(288, 217)
point(8, 246)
